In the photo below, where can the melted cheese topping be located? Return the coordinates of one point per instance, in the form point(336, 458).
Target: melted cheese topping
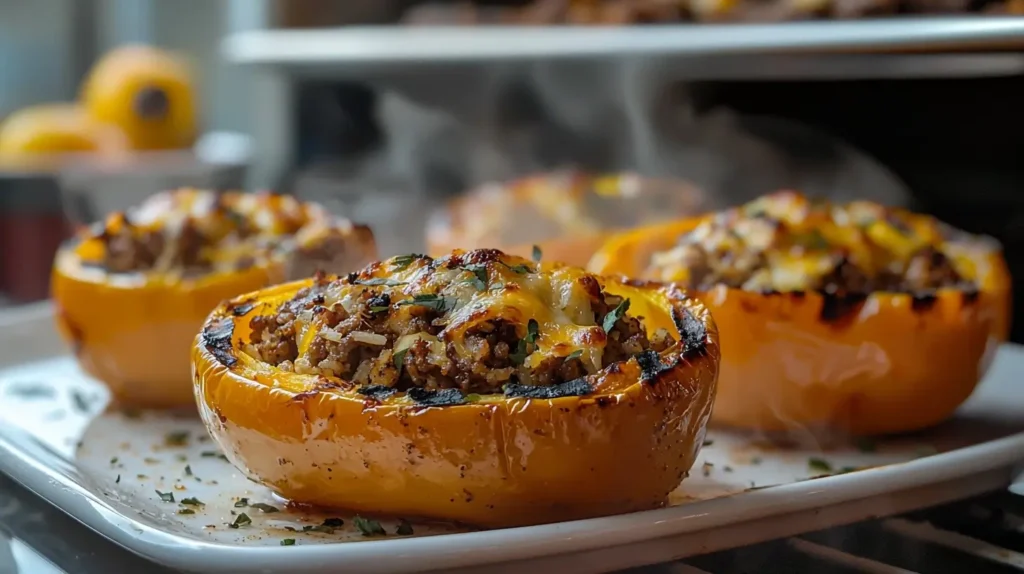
point(786, 242)
point(514, 291)
point(231, 227)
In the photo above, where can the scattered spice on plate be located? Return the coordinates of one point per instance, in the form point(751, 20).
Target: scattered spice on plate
point(266, 508)
point(819, 465)
point(193, 501)
point(241, 520)
point(288, 542)
point(369, 526)
point(241, 503)
point(165, 496)
point(176, 438)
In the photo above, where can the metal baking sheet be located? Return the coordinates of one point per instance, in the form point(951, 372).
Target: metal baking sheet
point(348, 50)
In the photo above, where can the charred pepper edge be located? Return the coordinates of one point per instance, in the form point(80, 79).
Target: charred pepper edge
point(693, 342)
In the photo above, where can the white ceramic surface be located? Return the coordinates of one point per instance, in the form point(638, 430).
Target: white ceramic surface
point(108, 470)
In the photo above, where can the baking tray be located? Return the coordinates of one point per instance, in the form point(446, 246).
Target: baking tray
point(156, 484)
point(792, 49)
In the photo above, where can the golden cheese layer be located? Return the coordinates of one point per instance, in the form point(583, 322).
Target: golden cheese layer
point(787, 242)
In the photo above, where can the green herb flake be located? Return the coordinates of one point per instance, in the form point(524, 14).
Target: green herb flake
point(81, 402)
point(404, 528)
point(141, 476)
point(165, 496)
point(574, 355)
point(379, 281)
point(520, 268)
point(118, 479)
point(819, 465)
point(537, 254)
point(192, 502)
point(479, 279)
point(402, 261)
point(438, 303)
point(288, 542)
point(518, 357)
point(151, 460)
point(617, 313)
point(241, 520)
point(266, 508)
point(472, 398)
point(708, 442)
point(756, 460)
point(186, 511)
point(399, 358)
point(212, 454)
point(241, 503)
point(176, 438)
point(333, 522)
point(369, 526)
point(532, 331)
point(188, 470)
point(378, 308)
point(113, 460)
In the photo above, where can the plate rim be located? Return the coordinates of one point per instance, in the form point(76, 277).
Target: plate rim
point(50, 476)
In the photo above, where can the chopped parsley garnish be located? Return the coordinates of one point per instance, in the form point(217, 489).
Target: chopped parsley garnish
point(520, 268)
point(537, 254)
point(378, 281)
point(472, 398)
point(708, 442)
point(118, 479)
point(327, 526)
point(241, 520)
point(186, 511)
point(241, 503)
point(188, 470)
point(574, 355)
point(479, 280)
point(403, 261)
point(404, 528)
point(523, 348)
point(113, 460)
point(288, 542)
point(266, 508)
point(532, 331)
point(333, 522)
point(369, 526)
point(378, 309)
point(613, 317)
point(177, 438)
point(81, 402)
point(399, 358)
point(165, 496)
point(193, 502)
point(819, 465)
point(212, 454)
point(438, 303)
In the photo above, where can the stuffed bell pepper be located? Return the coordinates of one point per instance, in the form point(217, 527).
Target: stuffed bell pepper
point(568, 214)
point(132, 291)
point(856, 317)
point(478, 387)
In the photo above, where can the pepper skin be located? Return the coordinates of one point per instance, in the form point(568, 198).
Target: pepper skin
point(134, 331)
point(495, 462)
point(567, 214)
point(899, 364)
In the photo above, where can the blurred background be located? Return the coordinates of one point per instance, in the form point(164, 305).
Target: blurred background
point(386, 109)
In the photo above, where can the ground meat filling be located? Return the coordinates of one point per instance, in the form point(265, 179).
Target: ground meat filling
point(363, 345)
point(738, 252)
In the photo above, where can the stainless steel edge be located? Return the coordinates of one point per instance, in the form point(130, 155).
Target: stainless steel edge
point(394, 44)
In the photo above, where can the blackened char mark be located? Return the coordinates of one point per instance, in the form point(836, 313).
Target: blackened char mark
point(217, 338)
point(436, 398)
point(969, 295)
point(835, 307)
point(921, 302)
point(376, 392)
point(692, 331)
point(242, 309)
point(574, 388)
point(651, 366)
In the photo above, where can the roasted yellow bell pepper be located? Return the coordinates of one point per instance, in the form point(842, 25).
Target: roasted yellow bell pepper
point(617, 439)
point(132, 291)
point(876, 361)
point(567, 214)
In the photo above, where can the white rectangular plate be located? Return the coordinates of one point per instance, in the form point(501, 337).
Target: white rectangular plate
point(108, 470)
